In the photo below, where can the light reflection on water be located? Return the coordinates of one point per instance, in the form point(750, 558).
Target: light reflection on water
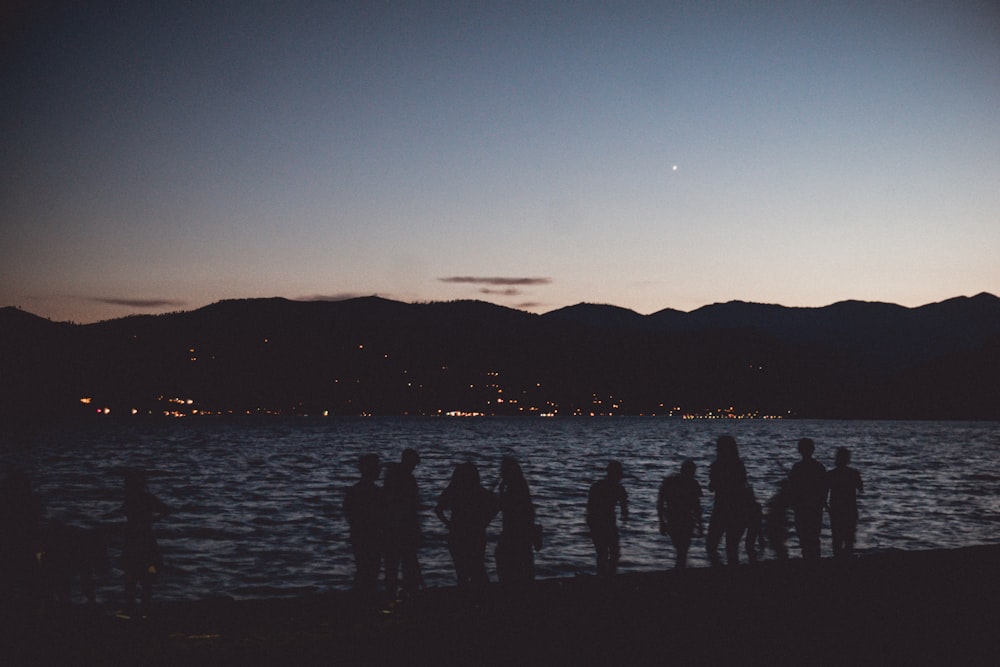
point(257, 502)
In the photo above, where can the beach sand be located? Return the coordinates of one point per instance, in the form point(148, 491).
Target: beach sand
point(925, 607)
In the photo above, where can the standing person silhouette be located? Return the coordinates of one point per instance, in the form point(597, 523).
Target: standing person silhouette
point(364, 508)
point(604, 495)
point(678, 506)
point(845, 485)
point(807, 488)
point(515, 555)
point(402, 525)
point(727, 479)
point(141, 558)
point(466, 509)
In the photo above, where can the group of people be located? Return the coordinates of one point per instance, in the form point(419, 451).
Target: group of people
point(808, 490)
point(40, 560)
point(385, 526)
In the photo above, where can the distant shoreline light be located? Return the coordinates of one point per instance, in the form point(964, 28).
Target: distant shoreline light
point(188, 407)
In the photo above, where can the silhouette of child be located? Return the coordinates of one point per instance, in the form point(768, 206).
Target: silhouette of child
point(845, 485)
point(678, 506)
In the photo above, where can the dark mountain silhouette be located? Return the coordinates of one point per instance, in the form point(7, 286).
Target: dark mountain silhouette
point(885, 335)
point(603, 316)
point(376, 356)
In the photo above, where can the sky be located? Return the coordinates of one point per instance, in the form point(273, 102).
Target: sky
point(161, 156)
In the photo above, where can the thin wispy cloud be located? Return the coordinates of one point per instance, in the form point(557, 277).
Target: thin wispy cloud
point(510, 291)
point(339, 296)
point(138, 303)
point(495, 281)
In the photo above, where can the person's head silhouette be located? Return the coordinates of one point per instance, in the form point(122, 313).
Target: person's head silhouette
point(725, 448)
point(410, 459)
point(806, 448)
point(842, 458)
point(368, 466)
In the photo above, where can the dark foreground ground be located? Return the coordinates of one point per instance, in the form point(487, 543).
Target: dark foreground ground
point(930, 607)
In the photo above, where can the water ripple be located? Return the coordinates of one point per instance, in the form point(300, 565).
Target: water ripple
point(257, 503)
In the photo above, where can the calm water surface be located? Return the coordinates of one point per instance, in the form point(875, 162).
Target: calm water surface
point(257, 502)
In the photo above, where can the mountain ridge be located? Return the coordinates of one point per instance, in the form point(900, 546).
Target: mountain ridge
point(372, 355)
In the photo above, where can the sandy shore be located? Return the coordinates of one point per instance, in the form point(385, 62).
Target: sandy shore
point(923, 607)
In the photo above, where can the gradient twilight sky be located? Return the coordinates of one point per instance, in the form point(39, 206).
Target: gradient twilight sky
point(161, 156)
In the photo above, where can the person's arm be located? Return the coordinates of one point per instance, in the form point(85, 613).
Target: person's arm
point(439, 511)
point(624, 505)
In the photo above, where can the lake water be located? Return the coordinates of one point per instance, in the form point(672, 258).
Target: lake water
point(257, 501)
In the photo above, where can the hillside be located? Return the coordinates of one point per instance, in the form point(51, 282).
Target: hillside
point(376, 356)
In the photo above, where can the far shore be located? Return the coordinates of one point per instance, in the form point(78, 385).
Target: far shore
point(920, 607)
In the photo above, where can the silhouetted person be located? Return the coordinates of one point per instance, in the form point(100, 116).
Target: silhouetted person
point(515, 554)
point(604, 495)
point(678, 507)
point(20, 538)
point(141, 558)
point(364, 508)
point(466, 509)
point(402, 524)
point(727, 479)
point(845, 485)
point(807, 488)
point(776, 520)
